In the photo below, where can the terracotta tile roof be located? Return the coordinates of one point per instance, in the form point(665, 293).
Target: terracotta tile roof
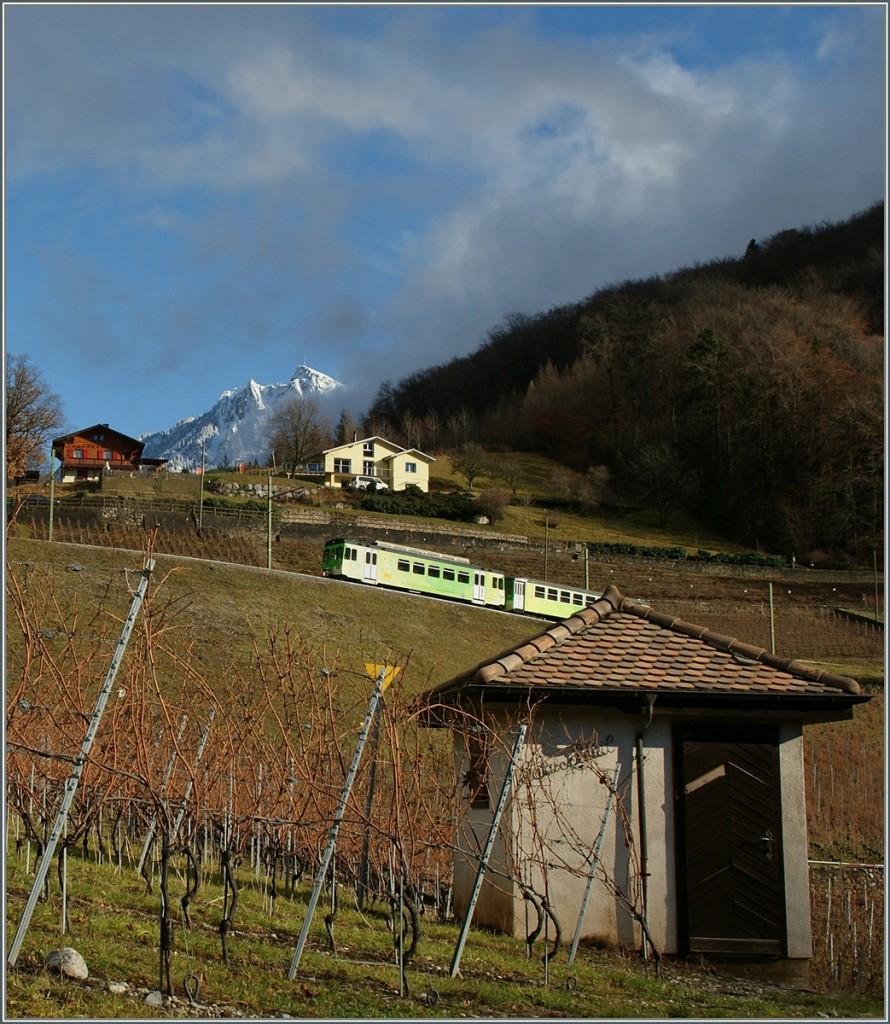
point(621, 647)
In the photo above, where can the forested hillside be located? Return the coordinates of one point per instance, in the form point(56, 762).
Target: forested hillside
point(748, 390)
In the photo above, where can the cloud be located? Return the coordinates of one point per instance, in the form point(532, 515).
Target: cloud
point(379, 187)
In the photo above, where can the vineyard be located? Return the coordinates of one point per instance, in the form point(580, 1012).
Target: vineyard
point(232, 783)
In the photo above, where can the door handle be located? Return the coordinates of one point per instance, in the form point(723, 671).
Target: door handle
point(768, 839)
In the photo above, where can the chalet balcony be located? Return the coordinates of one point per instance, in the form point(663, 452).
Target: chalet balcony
point(98, 464)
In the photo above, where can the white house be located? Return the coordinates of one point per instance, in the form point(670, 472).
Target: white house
point(373, 456)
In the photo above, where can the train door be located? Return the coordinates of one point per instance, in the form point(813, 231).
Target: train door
point(518, 595)
point(479, 587)
point(370, 572)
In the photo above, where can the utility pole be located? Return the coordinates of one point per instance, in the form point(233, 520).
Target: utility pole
point(201, 499)
point(52, 485)
point(546, 543)
point(269, 526)
point(772, 622)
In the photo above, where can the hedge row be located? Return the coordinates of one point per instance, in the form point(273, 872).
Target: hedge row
point(606, 548)
point(413, 502)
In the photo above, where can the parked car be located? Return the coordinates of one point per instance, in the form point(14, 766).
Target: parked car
point(364, 483)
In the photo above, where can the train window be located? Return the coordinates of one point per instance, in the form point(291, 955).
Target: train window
point(419, 568)
point(589, 600)
point(403, 565)
point(433, 570)
point(552, 594)
point(539, 592)
point(500, 583)
point(463, 577)
point(565, 597)
point(448, 574)
point(351, 554)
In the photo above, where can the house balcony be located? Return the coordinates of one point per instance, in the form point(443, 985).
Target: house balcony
point(97, 464)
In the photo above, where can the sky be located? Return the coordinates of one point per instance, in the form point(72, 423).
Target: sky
point(197, 195)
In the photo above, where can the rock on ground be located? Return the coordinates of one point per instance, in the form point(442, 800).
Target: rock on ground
point(67, 962)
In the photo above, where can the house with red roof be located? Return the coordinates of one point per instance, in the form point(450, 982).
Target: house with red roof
point(650, 775)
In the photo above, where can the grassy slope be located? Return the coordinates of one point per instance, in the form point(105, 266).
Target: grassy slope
point(115, 924)
point(229, 608)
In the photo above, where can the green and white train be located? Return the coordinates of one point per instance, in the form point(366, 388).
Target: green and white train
point(380, 563)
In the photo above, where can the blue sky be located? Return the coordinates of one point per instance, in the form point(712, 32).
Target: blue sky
point(198, 195)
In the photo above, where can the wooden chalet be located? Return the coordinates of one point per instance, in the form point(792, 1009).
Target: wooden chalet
point(86, 454)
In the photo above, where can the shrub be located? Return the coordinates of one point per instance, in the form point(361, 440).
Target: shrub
point(413, 502)
point(492, 502)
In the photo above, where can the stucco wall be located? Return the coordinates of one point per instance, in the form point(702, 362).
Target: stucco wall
point(554, 816)
point(401, 477)
point(552, 822)
point(794, 842)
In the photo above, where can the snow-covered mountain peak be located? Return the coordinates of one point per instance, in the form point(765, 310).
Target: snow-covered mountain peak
point(236, 428)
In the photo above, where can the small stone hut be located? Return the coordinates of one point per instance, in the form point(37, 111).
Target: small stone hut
point(657, 801)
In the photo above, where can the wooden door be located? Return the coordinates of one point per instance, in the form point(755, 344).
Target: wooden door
point(730, 855)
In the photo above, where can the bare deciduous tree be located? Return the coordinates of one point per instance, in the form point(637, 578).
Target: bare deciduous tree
point(296, 431)
point(471, 461)
point(33, 413)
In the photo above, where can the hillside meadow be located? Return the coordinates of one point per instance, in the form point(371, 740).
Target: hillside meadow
point(240, 638)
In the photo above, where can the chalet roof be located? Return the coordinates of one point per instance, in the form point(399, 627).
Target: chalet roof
point(620, 650)
point(98, 428)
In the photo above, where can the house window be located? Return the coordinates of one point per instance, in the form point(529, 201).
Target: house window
point(410, 467)
point(476, 778)
point(342, 465)
point(77, 453)
point(368, 448)
point(98, 437)
point(108, 455)
point(368, 467)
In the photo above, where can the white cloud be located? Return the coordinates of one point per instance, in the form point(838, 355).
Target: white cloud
point(392, 189)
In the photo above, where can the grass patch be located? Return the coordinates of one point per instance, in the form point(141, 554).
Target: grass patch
point(115, 927)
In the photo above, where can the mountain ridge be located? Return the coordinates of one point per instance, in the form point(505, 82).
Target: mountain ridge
point(235, 428)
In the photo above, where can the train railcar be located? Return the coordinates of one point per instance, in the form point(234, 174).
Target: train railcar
point(379, 563)
point(547, 600)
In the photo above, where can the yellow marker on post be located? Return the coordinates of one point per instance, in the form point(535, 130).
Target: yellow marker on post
point(389, 673)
